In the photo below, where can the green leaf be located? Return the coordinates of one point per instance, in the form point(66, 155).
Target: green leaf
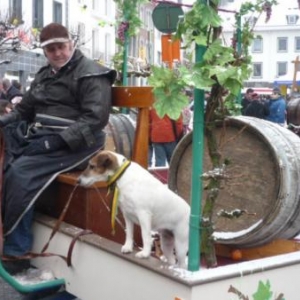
point(201, 40)
point(224, 74)
point(171, 105)
point(263, 291)
point(210, 16)
point(233, 85)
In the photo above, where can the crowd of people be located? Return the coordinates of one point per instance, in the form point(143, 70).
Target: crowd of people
point(164, 132)
point(10, 94)
point(272, 109)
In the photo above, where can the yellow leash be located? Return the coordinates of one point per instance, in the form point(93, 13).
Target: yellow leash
point(111, 183)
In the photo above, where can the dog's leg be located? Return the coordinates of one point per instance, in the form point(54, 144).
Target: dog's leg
point(145, 223)
point(181, 248)
point(167, 246)
point(128, 246)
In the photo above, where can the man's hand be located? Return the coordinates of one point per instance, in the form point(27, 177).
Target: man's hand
point(45, 145)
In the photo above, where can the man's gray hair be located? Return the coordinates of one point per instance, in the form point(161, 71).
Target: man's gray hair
point(6, 83)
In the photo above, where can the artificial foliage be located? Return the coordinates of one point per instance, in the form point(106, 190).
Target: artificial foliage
point(222, 64)
point(264, 292)
point(128, 25)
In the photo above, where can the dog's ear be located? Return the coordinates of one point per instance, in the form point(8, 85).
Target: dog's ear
point(104, 161)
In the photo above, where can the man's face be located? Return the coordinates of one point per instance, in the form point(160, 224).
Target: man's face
point(58, 54)
point(249, 95)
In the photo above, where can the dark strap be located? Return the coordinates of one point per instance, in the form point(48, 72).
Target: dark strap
point(67, 259)
point(76, 237)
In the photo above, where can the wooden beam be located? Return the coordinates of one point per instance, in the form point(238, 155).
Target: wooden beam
point(132, 96)
point(141, 98)
point(276, 247)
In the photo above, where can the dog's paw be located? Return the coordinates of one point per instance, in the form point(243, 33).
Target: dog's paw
point(126, 249)
point(170, 260)
point(142, 254)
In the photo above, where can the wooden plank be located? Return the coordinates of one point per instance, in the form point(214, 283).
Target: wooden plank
point(132, 96)
point(276, 247)
point(141, 140)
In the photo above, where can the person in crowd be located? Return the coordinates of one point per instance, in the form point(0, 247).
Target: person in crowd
point(17, 84)
point(10, 90)
point(2, 93)
point(257, 107)
point(4, 103)
point(164, 135)
point(246, 100)
point(187, 116)
point(56, 127)
point(206, 98)
point(277, 108)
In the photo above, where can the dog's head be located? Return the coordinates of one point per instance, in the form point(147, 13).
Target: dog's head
point(100, 167)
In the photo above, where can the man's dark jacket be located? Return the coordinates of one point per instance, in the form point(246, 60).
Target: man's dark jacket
point(64, 95)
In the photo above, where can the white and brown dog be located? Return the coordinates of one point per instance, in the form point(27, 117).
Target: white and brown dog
point(146, 201)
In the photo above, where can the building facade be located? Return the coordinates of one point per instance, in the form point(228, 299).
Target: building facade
point(276, 44)
point(91, 23)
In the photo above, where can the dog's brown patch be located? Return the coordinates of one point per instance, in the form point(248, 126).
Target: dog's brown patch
point(105, 160)
point(102, 161)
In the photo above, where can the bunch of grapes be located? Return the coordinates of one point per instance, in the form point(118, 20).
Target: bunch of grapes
point(121, 30)
point(267, 7)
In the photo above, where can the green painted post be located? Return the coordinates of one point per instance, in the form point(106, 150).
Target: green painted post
point(125, 58)
point(124, 67)
point(239, 34)
point(239, 47)
point(194, 255)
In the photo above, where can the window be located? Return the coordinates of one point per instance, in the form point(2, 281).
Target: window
point(57, 12)
point(149, 22)
point(96, 44)
point(297, 43)
point(292, 19)
point(257, 70)
point(107, 8)
point(281, 68)
point(251, 21)
point(81, 34)
point(132, 49)
point(159, 57)
point(16, 9)
point(282, 44)
point(257, 45)
point(96, 5)
point(38, 15)
point(107, 47)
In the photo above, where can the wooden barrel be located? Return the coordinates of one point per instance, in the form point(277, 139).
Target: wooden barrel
point(120, 132)
point(263, 180)
point(293, 111)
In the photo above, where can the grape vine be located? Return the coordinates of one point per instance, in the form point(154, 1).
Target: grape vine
point(127, 23)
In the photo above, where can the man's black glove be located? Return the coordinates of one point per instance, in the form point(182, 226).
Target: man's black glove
point(44, 145)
